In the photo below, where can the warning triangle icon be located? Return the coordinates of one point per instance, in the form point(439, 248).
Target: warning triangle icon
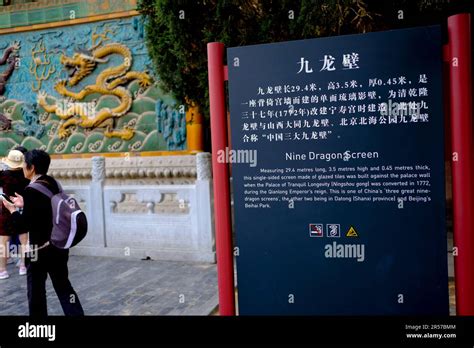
point(352, 232)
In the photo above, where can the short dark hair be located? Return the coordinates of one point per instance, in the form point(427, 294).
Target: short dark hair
point(38, 158)
point(22, 149)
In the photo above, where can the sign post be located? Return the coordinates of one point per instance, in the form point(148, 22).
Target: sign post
point(225, 264)
point(460, 83)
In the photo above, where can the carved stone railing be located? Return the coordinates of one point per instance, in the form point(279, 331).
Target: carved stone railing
point(146, 170)
point(138, 207)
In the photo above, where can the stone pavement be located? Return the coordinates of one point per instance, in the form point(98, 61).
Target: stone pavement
point(110, 286)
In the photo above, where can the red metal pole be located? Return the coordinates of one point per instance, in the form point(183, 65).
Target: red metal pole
point(225, 261)
point(460, 80)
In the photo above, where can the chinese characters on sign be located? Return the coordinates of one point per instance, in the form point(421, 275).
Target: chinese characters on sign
point(349, 61)
point(309, 112)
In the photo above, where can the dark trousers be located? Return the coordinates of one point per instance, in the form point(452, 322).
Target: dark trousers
point(53, 261)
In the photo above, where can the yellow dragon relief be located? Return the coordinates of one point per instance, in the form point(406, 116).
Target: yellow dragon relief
point(108, 82)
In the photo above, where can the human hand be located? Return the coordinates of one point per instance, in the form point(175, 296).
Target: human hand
point(17, 200)
point(10, 206)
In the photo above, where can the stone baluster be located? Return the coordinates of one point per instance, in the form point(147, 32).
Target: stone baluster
point(96, 221)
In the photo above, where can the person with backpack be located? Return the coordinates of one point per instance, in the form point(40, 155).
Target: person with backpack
point(33, 211)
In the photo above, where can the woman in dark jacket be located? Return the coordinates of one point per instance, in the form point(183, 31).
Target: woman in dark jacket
point(11, 180)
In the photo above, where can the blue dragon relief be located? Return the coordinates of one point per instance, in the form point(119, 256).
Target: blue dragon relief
point(171, 124)
point(32, 125)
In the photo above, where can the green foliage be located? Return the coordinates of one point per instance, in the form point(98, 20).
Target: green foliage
point(177, 37)
point(178, 33)
point(178, 30)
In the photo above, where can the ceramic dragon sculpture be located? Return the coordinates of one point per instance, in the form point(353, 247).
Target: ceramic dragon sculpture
point(9, 57)
point(108, 82)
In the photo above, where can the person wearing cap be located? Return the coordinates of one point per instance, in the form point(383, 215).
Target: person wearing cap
point(12, 180)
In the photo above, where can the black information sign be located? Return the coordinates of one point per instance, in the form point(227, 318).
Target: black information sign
point(338, 175)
